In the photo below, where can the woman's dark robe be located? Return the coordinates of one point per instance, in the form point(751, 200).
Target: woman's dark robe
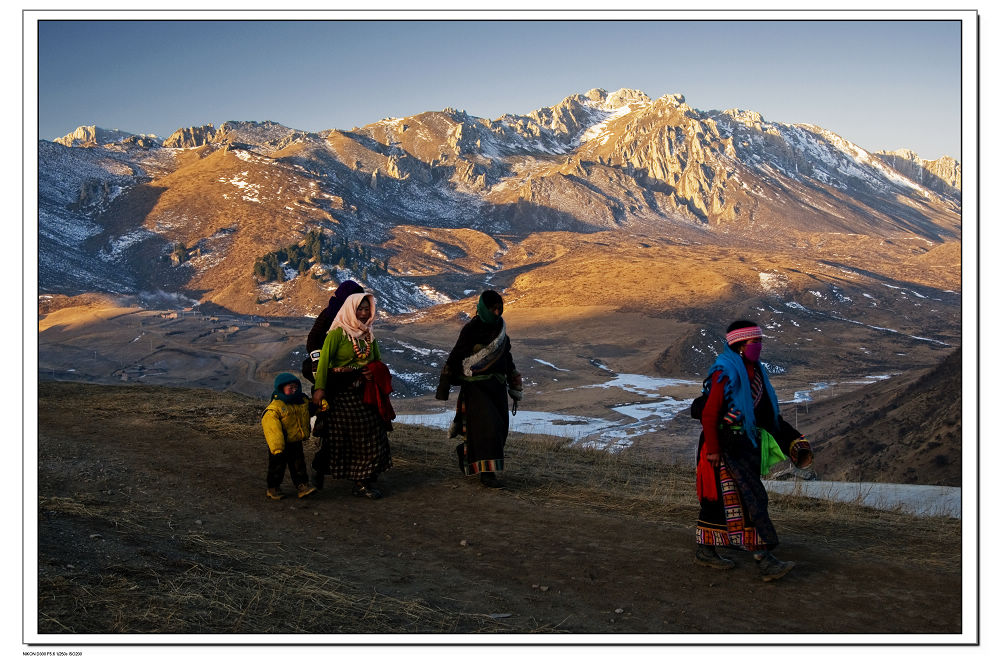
point(481, 414)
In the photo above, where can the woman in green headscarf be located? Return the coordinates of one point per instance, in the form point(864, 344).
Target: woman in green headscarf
point(482, 365)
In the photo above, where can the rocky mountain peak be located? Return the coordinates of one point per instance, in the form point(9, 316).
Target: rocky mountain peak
point(601, 99)
point(88, 136)
point(625, 97)
point(744, 117)
point(676, 98)
point(267, 136)
point(190, 137)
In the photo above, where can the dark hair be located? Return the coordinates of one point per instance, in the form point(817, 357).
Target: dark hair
point(492, 299)
point(739, 325)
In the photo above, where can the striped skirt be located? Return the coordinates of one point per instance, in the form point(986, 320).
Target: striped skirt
point(739, 518)
point(359, 445)
point(481, 417)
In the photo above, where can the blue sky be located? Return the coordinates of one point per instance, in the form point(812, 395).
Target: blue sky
point(880, 84)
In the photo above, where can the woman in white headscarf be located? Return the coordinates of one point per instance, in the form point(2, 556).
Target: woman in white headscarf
point(349, 360)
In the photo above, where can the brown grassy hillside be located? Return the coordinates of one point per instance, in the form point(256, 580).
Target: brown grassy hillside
point(906, 429)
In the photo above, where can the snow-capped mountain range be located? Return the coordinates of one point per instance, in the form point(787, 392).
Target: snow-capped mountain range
point(440, 201)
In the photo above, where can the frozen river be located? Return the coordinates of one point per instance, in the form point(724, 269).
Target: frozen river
point(586, 431)
point(595, 432)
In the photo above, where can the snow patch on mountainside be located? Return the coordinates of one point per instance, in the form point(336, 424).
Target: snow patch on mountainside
point(63, 172)
point(772, 281)
point(69, 230)
point(250, 191)
point(393, 294)
point(858, 155)
point(118, 245)
point(599, 130)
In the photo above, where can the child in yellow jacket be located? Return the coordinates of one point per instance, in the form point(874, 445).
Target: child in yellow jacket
point(286, 427)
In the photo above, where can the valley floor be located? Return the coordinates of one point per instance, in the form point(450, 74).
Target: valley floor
point(152, 520)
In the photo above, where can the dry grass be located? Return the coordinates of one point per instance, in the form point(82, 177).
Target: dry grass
point(196, 598)
point(200, 599)
point(218, 586)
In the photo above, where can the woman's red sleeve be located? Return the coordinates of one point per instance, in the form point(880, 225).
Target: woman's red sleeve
point(714, 408)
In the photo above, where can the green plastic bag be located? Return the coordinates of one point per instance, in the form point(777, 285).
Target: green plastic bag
point(770, 453)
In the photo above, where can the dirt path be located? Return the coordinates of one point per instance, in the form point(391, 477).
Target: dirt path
point(156, 495)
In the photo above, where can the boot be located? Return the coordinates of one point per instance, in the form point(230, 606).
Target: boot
point(490, 480)
point(274, 494)
point(707, 555)
point(305, 490)
point(771, 568)
point(365, 490)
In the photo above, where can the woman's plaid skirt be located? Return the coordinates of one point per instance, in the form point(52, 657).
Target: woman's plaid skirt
point(359, 445)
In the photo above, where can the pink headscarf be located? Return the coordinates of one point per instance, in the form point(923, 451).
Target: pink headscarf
point(347, 317)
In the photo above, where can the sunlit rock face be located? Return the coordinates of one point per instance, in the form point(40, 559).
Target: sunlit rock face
point(943, 175)
point(190, 137)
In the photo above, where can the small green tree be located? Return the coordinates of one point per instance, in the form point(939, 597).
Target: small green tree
point(316, 247)
point(273, 267)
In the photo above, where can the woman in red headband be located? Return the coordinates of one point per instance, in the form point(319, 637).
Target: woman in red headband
point(743, 434)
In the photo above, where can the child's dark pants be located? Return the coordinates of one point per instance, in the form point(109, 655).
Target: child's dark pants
point(294, 459)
